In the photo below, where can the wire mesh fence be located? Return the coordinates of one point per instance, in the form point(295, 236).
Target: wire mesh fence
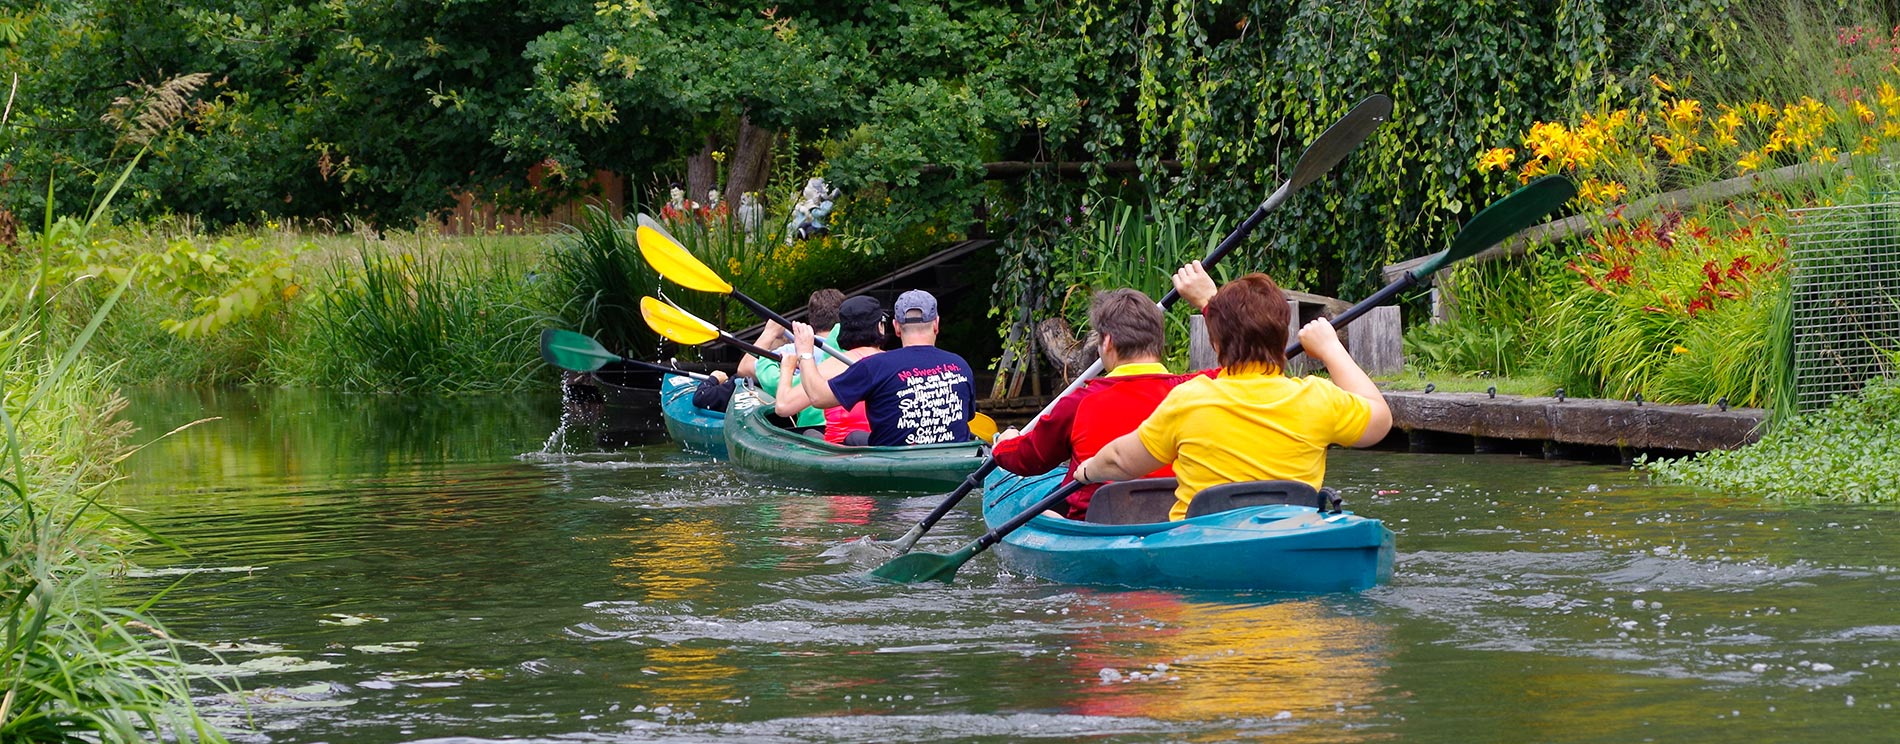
point(1846, 312)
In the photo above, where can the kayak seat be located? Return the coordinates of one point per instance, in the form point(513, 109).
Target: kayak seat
point(1138, 501)
point(1226, 496)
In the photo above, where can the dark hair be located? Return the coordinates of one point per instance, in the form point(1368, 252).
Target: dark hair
point(852, 335)
point(1131, 320)
point(822, 309)
point(1247, 322)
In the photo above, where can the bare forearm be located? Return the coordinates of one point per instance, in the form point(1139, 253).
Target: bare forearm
point(817, 389)
point(791, 398)
point(1349, 377)
point(1122, 459)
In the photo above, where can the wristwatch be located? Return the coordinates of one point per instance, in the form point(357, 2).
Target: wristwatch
point(804, 355)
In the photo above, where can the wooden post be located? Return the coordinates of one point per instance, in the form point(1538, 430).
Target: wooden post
point(1303, 365)
point(1200, 350)
point(1377, 341)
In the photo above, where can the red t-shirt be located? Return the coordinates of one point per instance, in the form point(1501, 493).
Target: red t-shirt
point(1082, 423)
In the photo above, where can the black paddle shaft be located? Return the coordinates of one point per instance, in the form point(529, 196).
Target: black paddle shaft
point(1048, 502)
point(768, 314)
point(1227, 245)
point(1352, 313)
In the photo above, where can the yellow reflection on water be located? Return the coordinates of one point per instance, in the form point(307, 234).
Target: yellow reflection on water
point(1212, 660)
point(671, 560)
point(677, 674)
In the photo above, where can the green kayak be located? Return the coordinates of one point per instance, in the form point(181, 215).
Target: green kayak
point(754, 443)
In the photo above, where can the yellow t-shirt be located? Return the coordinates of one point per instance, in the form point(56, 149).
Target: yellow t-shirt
point(1251, 426)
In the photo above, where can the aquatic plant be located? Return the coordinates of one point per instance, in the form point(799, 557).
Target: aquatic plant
point(75, 667)
point(409, 323)
point(1843, 452)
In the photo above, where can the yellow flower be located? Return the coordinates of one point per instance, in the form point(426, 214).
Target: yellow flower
point(1868, 146)
point(1827, 155)
point(1762, 111)
point(1725, 126)
point(1531, 170)
point(1658, 82)
point(1751, 162)
point(1890, 130)
point(1679, 350)
point(1685, 112)
point(1497, 158)
point(1889, 99)
point(1866, 115)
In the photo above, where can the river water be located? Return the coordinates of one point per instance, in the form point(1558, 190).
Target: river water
point(374, 569)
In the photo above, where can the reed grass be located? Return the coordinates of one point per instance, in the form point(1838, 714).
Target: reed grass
point(594, 280)
point(448, 323)
point(75, 667)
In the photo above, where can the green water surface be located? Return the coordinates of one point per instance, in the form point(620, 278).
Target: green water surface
point(377, 569)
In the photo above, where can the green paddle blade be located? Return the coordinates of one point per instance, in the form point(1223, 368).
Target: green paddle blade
point(573, 351)
point(911, 568)
point(1523, 208)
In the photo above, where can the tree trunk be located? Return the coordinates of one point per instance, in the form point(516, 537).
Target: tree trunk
point(700, 173)
point(751, 161)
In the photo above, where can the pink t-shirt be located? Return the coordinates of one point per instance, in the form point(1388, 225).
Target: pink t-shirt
point(841, 421)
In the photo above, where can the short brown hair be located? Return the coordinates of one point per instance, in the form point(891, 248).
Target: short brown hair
point(822, 309)
point(1247, 321)
point(1131, 320)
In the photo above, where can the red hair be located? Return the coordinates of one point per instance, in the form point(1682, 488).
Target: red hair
point(1247, 322)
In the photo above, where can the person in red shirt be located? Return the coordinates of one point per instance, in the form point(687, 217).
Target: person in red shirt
point(1133, 335)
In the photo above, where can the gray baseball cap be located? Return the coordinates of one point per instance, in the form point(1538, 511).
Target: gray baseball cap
point(915, 306)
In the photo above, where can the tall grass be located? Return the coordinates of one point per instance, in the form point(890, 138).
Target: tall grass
point(1125, 245)
point(75, 668)
point(406, 323)
point(594, 280)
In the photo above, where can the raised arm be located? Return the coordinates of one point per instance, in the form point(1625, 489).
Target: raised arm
point(1322, 343)
point(817, 389)
point(769, 337)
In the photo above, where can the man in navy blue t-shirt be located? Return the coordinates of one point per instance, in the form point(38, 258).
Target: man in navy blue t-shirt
point(918, 394)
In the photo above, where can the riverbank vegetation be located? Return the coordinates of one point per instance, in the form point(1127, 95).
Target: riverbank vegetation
point(76, 665)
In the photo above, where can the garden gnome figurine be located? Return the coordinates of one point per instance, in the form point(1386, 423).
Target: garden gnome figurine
point(751, 212)
point(712, 199)
point(676, 198)
point(808, 218)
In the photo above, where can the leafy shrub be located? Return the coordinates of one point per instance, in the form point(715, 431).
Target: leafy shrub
point(1842, 452)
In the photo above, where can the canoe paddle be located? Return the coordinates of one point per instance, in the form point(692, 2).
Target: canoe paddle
point(1523, 208)
point(1327, 151)
point(671, 259)
point(682, 327)
point(579, 353)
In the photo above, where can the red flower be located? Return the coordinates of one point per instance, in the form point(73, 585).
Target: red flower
point(1619, 274)
point(1700, 304)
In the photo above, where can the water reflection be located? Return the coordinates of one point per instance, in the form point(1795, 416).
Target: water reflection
point(642, 595)
point(1162, 656)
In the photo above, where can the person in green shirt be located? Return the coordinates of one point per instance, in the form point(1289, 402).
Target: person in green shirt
point(822, 311)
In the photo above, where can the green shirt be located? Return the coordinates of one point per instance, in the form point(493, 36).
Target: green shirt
point(767, 371)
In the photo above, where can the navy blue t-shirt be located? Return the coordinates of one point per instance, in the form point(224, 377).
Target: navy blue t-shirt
point(912, 395)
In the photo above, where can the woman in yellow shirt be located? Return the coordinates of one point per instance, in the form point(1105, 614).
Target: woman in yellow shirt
point(1252, 422)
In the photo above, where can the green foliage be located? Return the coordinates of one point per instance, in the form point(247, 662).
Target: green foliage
point(1466, 347)
point(595, 279)
point(1116, 245)
point(405, 323)
point(75, 668)
point(1841, 453)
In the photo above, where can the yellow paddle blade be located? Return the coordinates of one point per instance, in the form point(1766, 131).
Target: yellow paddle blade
point(677, 325)
point(673, 262)
point(983, 427)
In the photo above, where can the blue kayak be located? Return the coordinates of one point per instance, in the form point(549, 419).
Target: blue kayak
point(1278, 547)
point(695, 429)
